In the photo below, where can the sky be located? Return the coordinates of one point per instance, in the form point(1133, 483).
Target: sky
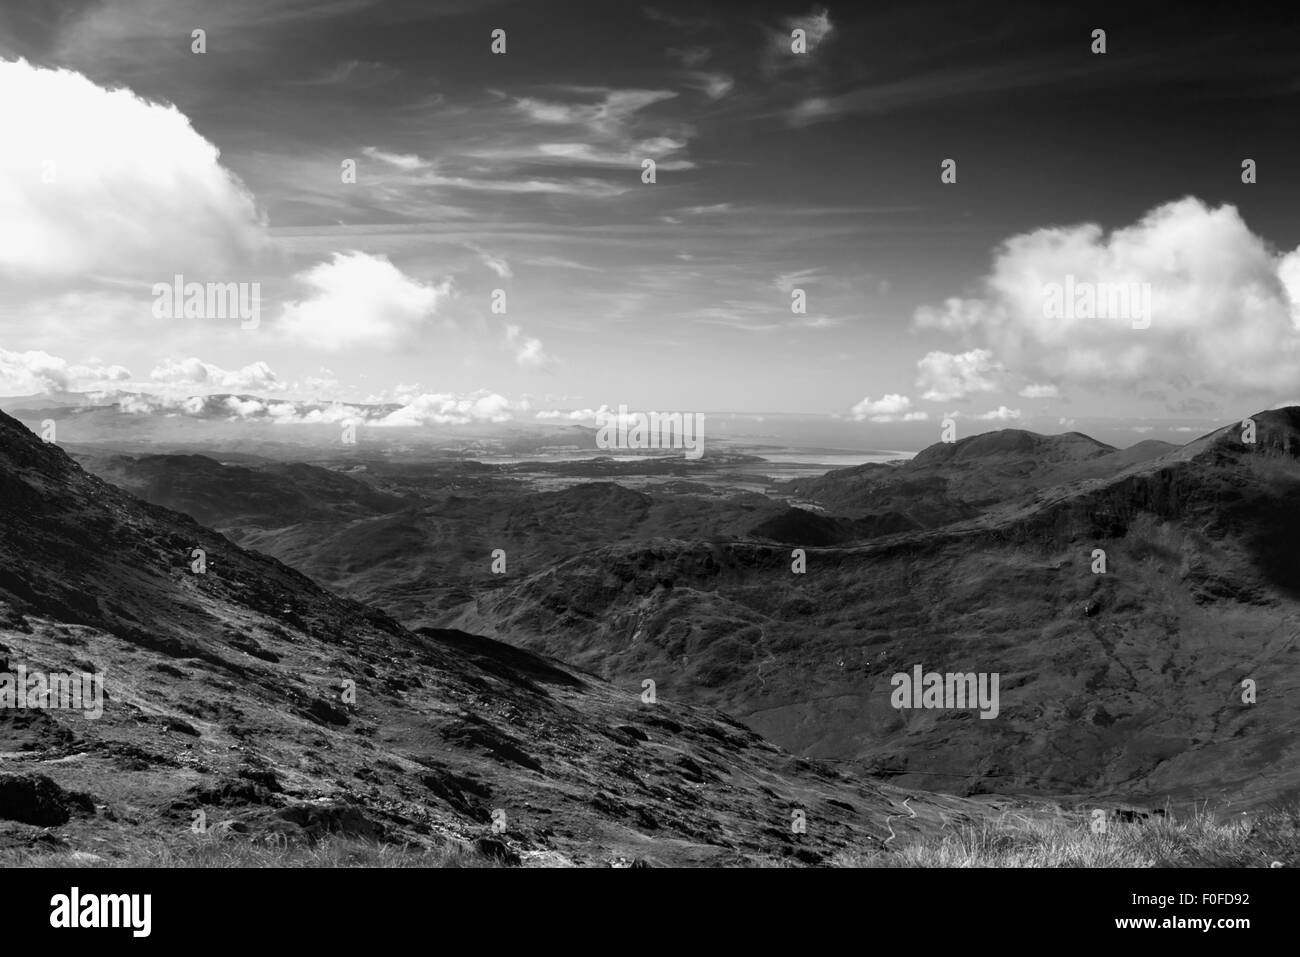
point(131, 157)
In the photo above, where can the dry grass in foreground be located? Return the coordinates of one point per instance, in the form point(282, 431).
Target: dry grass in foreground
point(1268, 839)
point(212, 851)
point(1195, 840)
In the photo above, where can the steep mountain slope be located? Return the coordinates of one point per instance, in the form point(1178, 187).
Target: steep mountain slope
point(272, 494)
point(225, 694)
point(1125, 681)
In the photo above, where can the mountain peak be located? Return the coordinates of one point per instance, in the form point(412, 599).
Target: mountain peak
point(1013, 443)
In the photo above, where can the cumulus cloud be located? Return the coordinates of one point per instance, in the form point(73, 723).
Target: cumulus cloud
point(450, 409)
point(1225, 308)
point(196, 375)
point(528, 351)
point(572, 415)
point(1000, 414)
point(97, 181)
point(359, 300)
point(29, 373)
point(946, 376)
point(1040, 391)
point(888, 408)
point(422, 410)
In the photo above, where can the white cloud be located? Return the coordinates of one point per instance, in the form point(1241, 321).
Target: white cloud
point(607, 117)
point(403, 161)
point(134, 192)
point(498, 266)
point(706, 210)
point(28, 373)
point(450, 409)
point(194, 375)
point(946, 376)
point(584, 186)
point(817, 26)
point(713, 85)
point(360, 301)
point(1040, 391)
point(1000, 414)
point(528, 351)
point(422, 410)
point(787, 282)
point(658, 148)
point(244, 407)
point(1224, 306)
point(777, 54)
point(888, 408)
point(572, 415)
point(604, 128)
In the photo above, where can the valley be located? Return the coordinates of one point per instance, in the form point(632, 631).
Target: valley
point(976, 556)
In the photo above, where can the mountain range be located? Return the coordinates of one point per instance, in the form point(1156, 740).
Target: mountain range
point(1125, 598)
point(240, 693)
point(977, 555)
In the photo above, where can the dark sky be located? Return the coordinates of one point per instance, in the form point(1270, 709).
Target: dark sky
point(776, 171)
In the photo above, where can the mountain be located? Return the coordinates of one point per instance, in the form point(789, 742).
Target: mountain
point(1126, 681)
point(224, 494)
point(225, 694)
point(1123, 683)
point(950, 481)
point(416, 538)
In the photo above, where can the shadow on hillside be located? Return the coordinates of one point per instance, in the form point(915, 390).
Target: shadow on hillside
point(1273, 538)
point(498, 658)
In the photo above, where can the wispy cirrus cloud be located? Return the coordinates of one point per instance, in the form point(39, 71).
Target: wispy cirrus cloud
point(403, 161)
